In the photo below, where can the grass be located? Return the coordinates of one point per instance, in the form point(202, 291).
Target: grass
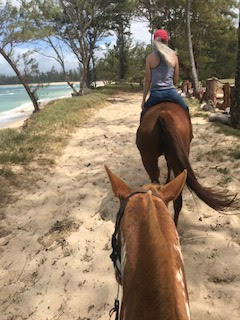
point(47, 131)
point(194, 107)
point(26, 154)
point(228, 131)
point(235, 154)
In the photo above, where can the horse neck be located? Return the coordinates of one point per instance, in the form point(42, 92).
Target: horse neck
point(153, 277)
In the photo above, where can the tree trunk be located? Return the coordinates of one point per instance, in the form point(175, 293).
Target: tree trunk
point(190, 49)
point(83, 80)
point(22, 80)
point(94, 71)
point(89, 76)
point(235, 108)
point(122, 62)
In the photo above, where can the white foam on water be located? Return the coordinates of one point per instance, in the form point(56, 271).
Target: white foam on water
point(23, 111)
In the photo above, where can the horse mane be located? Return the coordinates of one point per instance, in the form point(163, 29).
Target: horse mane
point(217, 200)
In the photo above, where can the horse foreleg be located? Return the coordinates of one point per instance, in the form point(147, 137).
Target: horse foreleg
point(170, 165)
point(177, 204)
point(169, 172)
point(151, 166)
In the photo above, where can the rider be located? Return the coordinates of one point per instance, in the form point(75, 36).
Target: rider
point(161, 75)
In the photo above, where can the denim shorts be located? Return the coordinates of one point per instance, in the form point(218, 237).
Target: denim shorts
point(165, 95)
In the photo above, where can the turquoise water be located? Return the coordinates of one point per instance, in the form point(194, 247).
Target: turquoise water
point(15, 103)
point(15, 96)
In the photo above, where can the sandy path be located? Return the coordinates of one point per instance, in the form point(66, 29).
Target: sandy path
point(55, 240)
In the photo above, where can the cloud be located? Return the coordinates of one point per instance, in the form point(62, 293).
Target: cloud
point(139, 30)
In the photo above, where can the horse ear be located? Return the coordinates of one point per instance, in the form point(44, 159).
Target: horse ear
point(172, 190)
point(119, 187)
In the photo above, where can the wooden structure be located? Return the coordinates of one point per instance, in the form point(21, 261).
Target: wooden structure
point(187, 87)
point(226, 96)
point(211, 90)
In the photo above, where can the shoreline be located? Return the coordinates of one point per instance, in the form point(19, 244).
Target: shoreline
point(35, 84)
point(19, 116)
point(14, 118)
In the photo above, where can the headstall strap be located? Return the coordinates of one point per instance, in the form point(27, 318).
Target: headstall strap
point(115, 255)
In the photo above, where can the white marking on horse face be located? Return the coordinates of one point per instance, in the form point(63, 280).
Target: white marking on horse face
point(178, 249)
point(187, 309)
point(179, 276)
point(177, 236)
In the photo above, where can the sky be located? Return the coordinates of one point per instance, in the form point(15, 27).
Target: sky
point(139, 31)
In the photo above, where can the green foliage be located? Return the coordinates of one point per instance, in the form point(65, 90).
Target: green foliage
point(107, 67)
point(213, 33)
point(80, 24)
point(120, 20)
point(43, 77)
point(12, 26)
point(137, 56)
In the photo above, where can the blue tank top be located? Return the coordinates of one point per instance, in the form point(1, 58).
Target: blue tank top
point(162, 77)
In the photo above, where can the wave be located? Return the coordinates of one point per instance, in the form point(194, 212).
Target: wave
point(7, 94)
point(23, 111)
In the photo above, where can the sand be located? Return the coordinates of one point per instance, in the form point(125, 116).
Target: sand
point(55, 239)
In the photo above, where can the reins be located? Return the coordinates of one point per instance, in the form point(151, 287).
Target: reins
point(116, 255)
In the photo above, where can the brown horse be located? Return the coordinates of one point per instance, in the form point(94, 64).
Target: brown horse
point(166, 129)
point(146, 244)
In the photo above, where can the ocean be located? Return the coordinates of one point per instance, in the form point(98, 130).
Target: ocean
point(16, 105)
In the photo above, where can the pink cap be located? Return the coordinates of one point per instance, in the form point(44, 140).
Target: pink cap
point(160, 34)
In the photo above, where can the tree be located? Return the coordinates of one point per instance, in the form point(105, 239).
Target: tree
point(190, 48)
point(79, 24)
point(56, 46)
point(83, 24)
point(39, 16)
point(11, 26)
point(107, 67)
point(212, 29)
point(214, 37)
point(120, 22)
point(235, 108)
point(136, 62)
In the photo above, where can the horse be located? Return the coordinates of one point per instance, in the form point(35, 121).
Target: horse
point(147, 254)
point(166, 129)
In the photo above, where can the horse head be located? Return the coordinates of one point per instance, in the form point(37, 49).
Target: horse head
point(146, 251)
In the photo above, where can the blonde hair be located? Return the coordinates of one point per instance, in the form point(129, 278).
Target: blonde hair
point(166, 53)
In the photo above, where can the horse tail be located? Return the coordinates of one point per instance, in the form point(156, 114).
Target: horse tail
point(216, 200)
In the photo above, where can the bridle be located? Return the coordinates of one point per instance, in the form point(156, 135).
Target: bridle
point(116, 254)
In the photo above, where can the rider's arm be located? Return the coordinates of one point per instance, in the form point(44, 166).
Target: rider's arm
point(176, 72)
point(147, 81)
